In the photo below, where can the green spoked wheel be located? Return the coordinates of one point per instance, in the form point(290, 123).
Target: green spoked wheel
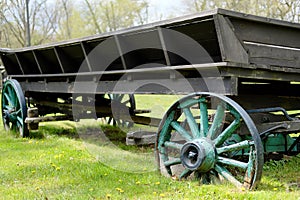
point(210, 137)
point(14, 110)
point(124, 102)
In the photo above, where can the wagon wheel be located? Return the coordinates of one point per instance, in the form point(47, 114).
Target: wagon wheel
point(127, 100)
point(14, 109)
point(210, 137)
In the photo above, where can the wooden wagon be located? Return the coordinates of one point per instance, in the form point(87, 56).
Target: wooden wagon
point(240, 72)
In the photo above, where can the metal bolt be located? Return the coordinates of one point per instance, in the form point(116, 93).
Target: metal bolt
point(192, 155)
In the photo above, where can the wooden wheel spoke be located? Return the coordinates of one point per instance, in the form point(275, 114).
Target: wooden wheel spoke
point(10, 92)
point(19, 121)
point(205, 178)
point(8, 108)
point(181, 130)
point(111, 96)
point(119, 97)
point(172, 162)
point(126, 102)
point(5, 110)
point(227, 132)
point(5, 120)
point(235, 147)
point(250, 170)
point(232, 162)
point(165, 130)
point(8, 99)
point(13, 96)
point(13, 127)
point(203, 119)
point(185, 173)
point(173, 145)
point(109, 120)
point(192, 123)
point(218, 121)
point(16, 113)
point(228, 176)
point(164, 156)
point(188, 103)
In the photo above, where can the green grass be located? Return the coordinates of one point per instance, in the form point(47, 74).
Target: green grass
point(56, 164)
point(158, 104)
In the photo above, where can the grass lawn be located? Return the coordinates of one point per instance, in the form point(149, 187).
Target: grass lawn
point(55, 164)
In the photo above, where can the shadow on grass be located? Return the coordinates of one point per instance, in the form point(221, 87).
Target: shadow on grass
point(43, 131)
point(65, 129)
point(90, 134)
point(36, 135)
point(114, 134)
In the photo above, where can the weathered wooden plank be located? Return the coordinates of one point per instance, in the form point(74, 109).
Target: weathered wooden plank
point(273, 55)
point(254, 101)
point(219, 85)
point(33, 120)
point(231, 47)
point(261, 73)
point(266, 33)
point(11, 61)
point(264, 87)
point(47, 58)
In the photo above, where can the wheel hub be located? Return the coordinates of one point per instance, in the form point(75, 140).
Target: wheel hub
point(198, 155)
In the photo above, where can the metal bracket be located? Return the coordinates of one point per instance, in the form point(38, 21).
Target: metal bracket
point(275, 109)
point(264, 134)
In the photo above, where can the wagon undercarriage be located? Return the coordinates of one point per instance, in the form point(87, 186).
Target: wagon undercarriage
point(240, 74)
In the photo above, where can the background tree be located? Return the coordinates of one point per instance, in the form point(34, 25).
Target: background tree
point(43, 16)
point(111, 15)
point(56, 20)
point(279, 9)
point(71, 22)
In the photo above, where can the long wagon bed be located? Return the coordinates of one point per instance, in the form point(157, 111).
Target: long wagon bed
point(244, 48)
point(241, 72)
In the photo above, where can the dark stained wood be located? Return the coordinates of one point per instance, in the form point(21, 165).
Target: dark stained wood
point(253, 101)
point(236, 47)
point(231, 48)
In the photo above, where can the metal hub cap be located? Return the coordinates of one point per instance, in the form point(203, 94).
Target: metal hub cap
point(198, 155)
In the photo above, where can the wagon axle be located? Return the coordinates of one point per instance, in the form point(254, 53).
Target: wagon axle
point(198, 155)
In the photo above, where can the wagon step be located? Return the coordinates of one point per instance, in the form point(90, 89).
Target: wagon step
point(140, 138)
point(30, 120)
